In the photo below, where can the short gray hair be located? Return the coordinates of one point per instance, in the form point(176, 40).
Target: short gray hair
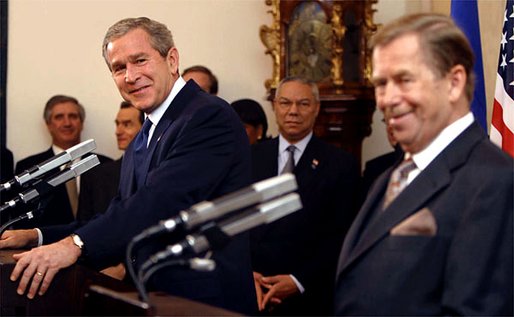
point(301, 80)
point(57, 99)
point(160, 36)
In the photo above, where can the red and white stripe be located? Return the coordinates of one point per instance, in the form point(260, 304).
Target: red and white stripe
point(502, 123)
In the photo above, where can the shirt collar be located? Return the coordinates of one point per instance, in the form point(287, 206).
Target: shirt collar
point(56, 149)
point(445, 137)
point(157, 114)
point(300, 145)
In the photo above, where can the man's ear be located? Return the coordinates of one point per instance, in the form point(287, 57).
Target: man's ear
point(457, 80)
point(172, 59)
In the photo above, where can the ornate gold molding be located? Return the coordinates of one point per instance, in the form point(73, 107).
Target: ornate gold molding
point(338, 31)
point(370, 29)
point(270, 37)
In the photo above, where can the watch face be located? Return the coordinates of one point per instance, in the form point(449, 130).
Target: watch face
point(309, 43)
point(77, 241)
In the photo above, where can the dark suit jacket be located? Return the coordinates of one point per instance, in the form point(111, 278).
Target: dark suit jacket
point(6, 165)
point(307, 242)
point(444, 246)
point(199, 151)
point(377, 166)
point(58, 209)
point(97, 189)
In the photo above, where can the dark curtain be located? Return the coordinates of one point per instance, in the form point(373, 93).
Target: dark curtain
point(3, 70)
point(6, 157)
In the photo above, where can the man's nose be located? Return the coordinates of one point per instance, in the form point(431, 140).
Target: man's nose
point(389, 96)
point(293, 109)
point(131, 74)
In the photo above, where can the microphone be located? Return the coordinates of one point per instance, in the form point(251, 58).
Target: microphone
point(64, 157)
point(211, 239)
point(43, 187)
point(209, 210)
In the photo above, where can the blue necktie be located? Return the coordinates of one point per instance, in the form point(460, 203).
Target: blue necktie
point(140, 151)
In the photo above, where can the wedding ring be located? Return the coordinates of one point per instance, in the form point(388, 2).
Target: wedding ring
point(39, 273)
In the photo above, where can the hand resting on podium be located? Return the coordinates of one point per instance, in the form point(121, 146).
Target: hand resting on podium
point(19, 239)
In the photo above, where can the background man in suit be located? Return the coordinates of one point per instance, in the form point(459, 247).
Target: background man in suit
point(203, 77)
point(101, 185)
point(380, 164)
point(64, 117)
point(294, 259)
point(195, 149)
point(444, 245)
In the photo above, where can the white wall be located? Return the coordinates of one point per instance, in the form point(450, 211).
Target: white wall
point(55, 48)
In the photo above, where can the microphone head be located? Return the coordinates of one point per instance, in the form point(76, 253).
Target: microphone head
point(243, 198)
point(262, 214)
point(281, 207)
point(81, 149)
point(275, 186)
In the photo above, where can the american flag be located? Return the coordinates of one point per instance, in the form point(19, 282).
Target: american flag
point(502, 125)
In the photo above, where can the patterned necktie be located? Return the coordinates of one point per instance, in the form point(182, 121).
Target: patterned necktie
point(398, 181)
point(289, 167)
point(140, 149)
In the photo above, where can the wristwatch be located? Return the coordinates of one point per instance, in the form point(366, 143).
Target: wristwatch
point(77, 241)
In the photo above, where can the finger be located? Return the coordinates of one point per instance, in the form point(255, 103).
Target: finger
point(19, 268)
point(26, 276)
point(267, 297)
point(275, 300)
point(258, 293)
point(270, 280)
point(49, 276)
point(37, 278)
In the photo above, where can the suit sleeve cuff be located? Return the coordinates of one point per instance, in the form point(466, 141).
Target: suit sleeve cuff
point(39, 237)
point(298, 284)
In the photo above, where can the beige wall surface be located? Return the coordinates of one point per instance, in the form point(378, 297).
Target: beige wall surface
point(55, 48)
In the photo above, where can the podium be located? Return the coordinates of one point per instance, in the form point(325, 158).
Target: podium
point(80, 291)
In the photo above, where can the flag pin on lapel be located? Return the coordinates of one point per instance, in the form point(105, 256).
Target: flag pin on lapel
point(314, 164)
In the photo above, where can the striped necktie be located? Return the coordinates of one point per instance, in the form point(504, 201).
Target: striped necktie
point(398, 181)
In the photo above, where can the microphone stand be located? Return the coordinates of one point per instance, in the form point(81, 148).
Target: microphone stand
point(28, 215)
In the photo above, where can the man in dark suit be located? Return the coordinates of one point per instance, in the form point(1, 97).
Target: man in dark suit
point(294, 259)
point(444, 244)
point(99, 187)
point(375, 167)
point(196, 149)
point(203, 77)
point(64, 117)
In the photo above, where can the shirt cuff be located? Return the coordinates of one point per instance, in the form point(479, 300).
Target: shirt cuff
point(298, 284)
point(39, 237)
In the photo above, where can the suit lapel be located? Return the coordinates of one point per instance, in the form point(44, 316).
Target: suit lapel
point(177, 106)
point(430, 182)
point(310, 162)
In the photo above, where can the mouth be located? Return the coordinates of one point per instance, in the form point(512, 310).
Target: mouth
point(395, 117)
point(138, 90)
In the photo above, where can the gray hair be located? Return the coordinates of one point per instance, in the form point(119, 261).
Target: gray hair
point(444, 44)
point(301, 80)
point(160, 36)
point(57, 99)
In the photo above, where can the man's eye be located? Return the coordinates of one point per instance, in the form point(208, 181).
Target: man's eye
point(118, 69)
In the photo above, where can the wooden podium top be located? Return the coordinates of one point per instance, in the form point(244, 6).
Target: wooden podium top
point(80, 291)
